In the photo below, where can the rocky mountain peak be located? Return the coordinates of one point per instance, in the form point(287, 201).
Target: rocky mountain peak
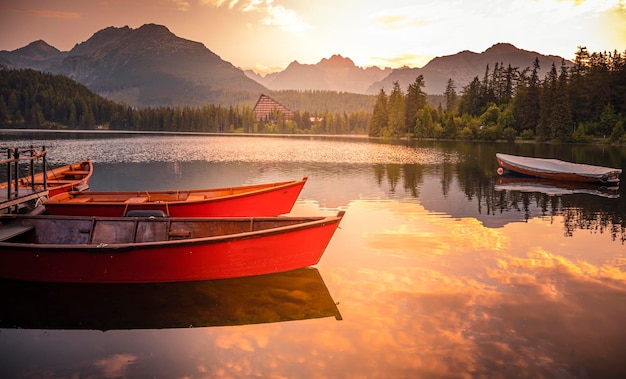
point(337, 61)
point(39, 49)
point(501, 47)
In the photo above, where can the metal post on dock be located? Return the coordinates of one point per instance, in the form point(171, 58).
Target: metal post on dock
point(16, 155)
point(9, 153)
point(32, 167)
point(45, 175)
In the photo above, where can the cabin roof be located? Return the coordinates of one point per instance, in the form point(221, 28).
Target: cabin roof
point(266, 105)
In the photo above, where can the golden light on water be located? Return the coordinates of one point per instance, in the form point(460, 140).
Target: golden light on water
point(439, 296)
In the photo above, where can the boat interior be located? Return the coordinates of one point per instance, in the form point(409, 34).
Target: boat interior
point(55, 177)
point(154, 197)
point(128, 230)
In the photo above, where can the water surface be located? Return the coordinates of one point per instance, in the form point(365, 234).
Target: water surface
point(438, 270)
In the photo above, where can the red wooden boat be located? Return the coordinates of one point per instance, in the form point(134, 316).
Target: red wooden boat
point(270, 199)
point(557, 170)
point(148, 249)
point(73, 177)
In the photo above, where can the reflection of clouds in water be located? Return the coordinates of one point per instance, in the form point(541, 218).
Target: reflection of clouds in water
point(236, 149)
point(116, 365)
point(518, 301)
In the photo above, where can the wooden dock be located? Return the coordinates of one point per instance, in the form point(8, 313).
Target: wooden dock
point(27, 199)
point(23, 199)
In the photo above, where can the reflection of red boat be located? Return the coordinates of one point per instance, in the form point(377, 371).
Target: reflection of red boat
point(286, 296)
point(553, 187)
point(149, 249)
point(58, 180)
point(557, 170)
point(270, 199)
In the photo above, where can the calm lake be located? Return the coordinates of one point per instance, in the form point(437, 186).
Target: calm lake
point(440, 269)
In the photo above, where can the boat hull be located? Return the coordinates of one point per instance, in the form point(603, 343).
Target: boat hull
point(258, 252)
point(554, 169)
point(257, 200)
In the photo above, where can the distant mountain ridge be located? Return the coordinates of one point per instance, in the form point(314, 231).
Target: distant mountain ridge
point(150, 66)
point(333, 74)
point(341, 74)
point(146, 66)
point(464, 66)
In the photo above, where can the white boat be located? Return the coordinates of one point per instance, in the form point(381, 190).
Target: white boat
point(555, 169)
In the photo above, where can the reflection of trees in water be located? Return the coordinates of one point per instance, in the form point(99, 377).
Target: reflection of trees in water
point(579, 211)
point(595, 222)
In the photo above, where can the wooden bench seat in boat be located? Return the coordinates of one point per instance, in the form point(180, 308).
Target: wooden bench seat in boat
point(196, 197)
point(75, 172)
point(58, 181)
point(136, 199)
point(13, 230)
point(81, 199)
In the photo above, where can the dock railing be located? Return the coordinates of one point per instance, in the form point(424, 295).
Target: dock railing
point(13, 158)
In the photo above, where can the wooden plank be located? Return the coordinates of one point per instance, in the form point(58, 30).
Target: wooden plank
point(22, 199)
point(75, 172)
point(196, 197)
point(134, 200)
point(80, 199)
point(13, 230)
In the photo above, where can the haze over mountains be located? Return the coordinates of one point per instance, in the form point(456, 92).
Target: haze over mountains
point(150, 66)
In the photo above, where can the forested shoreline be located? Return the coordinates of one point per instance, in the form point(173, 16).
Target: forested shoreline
point(31, 99)
point(580, 103)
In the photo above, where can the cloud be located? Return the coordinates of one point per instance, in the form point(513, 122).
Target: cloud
point(50, 13)
point(273, 14)
point(181, 5)
point(397, 21)
point(218, 3)
point(285, 19)
point(407, 59)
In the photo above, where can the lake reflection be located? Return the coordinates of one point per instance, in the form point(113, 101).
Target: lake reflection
point(436, 269)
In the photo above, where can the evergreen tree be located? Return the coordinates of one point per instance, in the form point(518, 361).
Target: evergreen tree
point(526, 105)
point(4, 110)
point(608, 120)
point(396, 125)
point(548, 94)
point(415, 100)
point(379, 114)
point(561, 120)
point(471, 100)
point(425, 127)
point(511, 78)
point(579, 94)
point(450, 129)
point(450, 96)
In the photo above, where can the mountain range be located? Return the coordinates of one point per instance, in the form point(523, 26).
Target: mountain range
point(150, 66)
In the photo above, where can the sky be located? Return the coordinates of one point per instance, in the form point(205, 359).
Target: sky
point(267, 35)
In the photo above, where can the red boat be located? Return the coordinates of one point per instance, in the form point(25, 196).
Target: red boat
point(555, 169)
point(73, 177)
point(270, 199)
point(149, 249)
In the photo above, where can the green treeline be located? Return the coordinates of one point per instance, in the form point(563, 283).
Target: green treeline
point(571, 104)
point(31, 99)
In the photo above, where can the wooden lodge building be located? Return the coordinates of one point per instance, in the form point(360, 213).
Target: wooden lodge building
point(266, 106)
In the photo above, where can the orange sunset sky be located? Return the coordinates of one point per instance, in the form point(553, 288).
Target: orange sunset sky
point(266, 35)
